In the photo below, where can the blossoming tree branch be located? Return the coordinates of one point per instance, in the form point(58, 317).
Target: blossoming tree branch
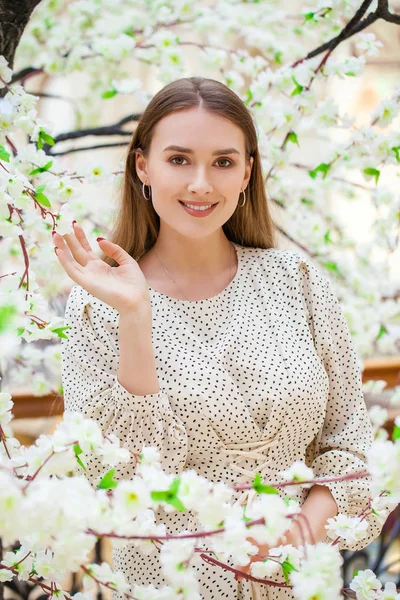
point(56, 538)
point(43, 188)
point(277, 79)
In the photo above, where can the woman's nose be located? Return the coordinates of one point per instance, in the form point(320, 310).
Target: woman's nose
point(200, 185)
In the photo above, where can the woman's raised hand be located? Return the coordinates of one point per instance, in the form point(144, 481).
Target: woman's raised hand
point(123, 287)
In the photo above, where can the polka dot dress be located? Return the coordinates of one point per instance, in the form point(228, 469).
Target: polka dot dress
point(252, 379)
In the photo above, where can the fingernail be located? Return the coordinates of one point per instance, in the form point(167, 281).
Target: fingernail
point(73, 223)
point(53, 232)
point(98, 239)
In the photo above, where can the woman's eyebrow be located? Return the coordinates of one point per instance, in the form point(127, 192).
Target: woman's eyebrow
point(190, 151)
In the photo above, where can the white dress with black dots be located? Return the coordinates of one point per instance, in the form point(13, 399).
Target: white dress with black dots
point(267, 367)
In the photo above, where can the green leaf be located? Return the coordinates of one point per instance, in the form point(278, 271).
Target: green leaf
point(60, 331)
point(46, 167)
point(175, 485)
point(40, 189)
point(4, 155)
point(288, 500)
point(159, 496)
point(170, 496)
point(278, 57)
point(249, 96)
point(287, 568)
point(308, 17)
point(331, 266)
point(107, 482)
point(374, 172)
point(327, 238)
point(45, 137)
point(396, 150)
point(260, 488)
point(177, 504)
point(355, 573)
point(7, 314)
point(396, 433)
point(322, 168)
point(298, 89)
point(42, 199)
point(382, 332)
point(291, 137)
point(78, 450)
point(109, 94)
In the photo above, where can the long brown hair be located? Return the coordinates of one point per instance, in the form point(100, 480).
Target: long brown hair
point(137, 224)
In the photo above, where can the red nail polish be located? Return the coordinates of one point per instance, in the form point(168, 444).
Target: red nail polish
point(100, 238)
point(53, 233)
point(73, 223)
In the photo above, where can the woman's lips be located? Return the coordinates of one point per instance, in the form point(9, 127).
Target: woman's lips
point(198, 213)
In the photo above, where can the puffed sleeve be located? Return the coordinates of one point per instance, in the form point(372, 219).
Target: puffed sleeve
point(89, 367)
point(342, 443)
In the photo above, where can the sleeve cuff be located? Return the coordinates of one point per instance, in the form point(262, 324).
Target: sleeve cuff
point(124, 400)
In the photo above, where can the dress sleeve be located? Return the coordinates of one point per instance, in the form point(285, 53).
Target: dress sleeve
point(342, 443)
point(89, 367)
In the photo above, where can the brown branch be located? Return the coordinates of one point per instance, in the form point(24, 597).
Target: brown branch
point(355, 25)
point(291, 239)
point(105, 130)
point(88, 148)
point(25, 74)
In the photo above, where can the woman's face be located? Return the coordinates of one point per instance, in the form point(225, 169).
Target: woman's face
point(208, 167)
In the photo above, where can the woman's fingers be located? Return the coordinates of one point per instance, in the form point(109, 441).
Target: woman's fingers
point(80, 235)
point(81, 254)
point(72, 268)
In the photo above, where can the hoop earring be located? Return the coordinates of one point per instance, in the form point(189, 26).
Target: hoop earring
point(144, 195)
point(244, 201)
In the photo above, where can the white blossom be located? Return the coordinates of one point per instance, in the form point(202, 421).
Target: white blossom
point(389, 592)
point(351, 529)
point(366, 585)
point(369, 43)
point(6, 405)
point(381, 506)
point(299, 472)
point(383, 463)
point(378, 416)
point(5, 72)
point(319, 574)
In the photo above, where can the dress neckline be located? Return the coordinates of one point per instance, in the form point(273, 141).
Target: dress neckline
point(216, 296)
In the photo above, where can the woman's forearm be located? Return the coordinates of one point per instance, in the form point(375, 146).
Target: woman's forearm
point(319, 506)
point(317, 509)
point(137, 365)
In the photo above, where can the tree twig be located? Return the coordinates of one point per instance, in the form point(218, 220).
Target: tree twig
point(355, 25)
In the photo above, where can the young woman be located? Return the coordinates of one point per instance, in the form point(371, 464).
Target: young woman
point(195, 334)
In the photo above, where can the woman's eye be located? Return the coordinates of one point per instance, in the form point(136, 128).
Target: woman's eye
point(175, 157)
point(183, 158)
point(226, 159)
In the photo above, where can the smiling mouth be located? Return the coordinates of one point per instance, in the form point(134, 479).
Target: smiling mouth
point(200, 205)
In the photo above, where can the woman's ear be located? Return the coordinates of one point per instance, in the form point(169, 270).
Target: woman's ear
point(141, 166)
point(248, 170)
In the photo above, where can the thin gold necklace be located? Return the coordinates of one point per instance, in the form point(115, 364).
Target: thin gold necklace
point(180, 289)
